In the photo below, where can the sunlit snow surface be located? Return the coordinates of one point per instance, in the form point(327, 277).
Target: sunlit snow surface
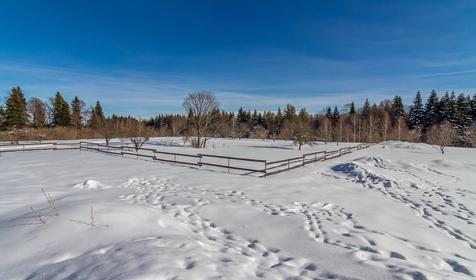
point(392, 211)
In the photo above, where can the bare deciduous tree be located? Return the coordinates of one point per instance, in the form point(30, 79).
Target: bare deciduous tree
point(302, 134)
point(200, 107)
point(139, 135)
point(37, 112)
point(472, 135)
point(386, 118)
point(108, 130)
point(243, 130)
point(443, 135)
point(260, 132)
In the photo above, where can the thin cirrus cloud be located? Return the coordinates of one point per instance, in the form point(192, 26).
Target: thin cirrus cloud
point(145, 94)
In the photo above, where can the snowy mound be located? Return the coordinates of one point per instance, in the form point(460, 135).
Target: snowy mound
point(91, 184)
point(359, 172)
point(372, 161)
point(407, 146)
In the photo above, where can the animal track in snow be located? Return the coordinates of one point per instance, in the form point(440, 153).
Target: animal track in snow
point(182, 203)
point(426, 199)
point(324, 222)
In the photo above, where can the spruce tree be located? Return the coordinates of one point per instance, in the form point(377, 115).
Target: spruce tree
point(290, 113)
point(352, 108)
point(98, 110)
point(254, 119)
point(241, 117)
point(445, 109)
point(335, 116)
point(432, 110)
point(61, 114)
point(16, 114)
point(329, 114)
point(279, 120)
point(463, 117)
point(76, 112)
point(366, 110)
point(397, 110)
point(260, 120)
point(97, 116)
point(416, 114)
point(452, 109)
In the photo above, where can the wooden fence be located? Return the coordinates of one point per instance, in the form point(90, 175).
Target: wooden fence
point(260, 167)
point(178, 158)
point(284, 165)
point(27, 147)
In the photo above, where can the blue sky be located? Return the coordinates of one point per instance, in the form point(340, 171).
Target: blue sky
point(143, 57)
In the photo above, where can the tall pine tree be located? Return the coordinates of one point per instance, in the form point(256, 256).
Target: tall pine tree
point(397, 110)
point(290, 113)
point(329, 114)
point(61, 114)
point(16, 114)
point(463, 112)
point(335, 116)
point(97, 116)
point(352, 108)
point(365, 110)
point(432, 110)
point(77, 106)
point(416, 114)
point(445, 109)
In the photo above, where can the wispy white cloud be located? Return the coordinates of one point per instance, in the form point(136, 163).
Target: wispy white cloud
point(149, 93)
point(454, 73)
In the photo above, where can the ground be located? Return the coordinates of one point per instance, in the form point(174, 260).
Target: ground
point(393, 211)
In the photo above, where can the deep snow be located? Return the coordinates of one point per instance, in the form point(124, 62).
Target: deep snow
point(394, 210)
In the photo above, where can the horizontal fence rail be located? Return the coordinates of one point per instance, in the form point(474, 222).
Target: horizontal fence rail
point(28, 147)
point(264, 167)
point(260, 167)
point(284, 165)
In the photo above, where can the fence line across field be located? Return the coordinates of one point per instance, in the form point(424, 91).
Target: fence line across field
point(269, 167)
point(27, 147)
point(261, 167)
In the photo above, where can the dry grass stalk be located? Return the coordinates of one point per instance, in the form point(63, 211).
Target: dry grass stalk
point(92, 217)
point(51, 202)
point(38, 216)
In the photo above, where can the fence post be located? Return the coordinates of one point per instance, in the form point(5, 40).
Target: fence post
point(303, 157)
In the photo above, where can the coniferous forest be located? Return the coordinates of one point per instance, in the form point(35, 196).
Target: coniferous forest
point(442, 119)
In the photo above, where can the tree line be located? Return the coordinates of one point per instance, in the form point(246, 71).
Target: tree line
point(56, 112)
point(446, 120)
point(35, 119)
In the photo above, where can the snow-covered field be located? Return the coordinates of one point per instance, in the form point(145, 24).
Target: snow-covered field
point(392, 211)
